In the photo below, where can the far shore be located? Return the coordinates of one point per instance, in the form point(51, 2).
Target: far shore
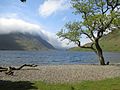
point(64, 73)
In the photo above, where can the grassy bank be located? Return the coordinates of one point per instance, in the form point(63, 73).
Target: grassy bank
point(108, 84)
point(110, 43)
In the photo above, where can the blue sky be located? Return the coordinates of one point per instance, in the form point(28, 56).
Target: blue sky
point(48, 15)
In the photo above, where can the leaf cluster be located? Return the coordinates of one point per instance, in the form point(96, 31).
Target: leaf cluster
point(98, 16)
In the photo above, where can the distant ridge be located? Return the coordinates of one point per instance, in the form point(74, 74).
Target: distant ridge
point(20, 41)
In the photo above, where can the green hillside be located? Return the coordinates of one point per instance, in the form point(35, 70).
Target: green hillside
point(110, 42)
point(20, 41)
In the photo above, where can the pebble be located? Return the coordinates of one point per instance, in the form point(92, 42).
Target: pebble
point(64, 73)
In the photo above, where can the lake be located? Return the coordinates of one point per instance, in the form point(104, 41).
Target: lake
point(8, 58)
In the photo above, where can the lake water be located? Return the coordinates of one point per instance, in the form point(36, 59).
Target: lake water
point(53, 57)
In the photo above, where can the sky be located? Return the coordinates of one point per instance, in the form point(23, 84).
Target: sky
point(43, 17)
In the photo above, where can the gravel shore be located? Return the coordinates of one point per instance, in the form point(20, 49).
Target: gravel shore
point(64, 73)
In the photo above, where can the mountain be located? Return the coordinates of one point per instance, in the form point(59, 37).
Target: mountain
point(20, 41)
point(109, 42)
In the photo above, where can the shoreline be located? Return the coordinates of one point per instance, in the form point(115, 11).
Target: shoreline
point(64, 73)
point(89, 64)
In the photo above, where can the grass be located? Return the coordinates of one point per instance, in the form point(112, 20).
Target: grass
point(107, 84)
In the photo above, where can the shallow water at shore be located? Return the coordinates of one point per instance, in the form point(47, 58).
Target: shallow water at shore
point(53, 57)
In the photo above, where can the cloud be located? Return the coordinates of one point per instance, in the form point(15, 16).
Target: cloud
point(49, 7)
point(9, 15)
point(9, 25)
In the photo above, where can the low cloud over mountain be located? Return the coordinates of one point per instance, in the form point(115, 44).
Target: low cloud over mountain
point(10, 25)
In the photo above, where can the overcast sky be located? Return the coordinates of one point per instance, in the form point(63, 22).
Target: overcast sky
point(45, 17)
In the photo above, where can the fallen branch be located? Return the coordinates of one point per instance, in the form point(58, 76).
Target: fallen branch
point(9, 70)
point(29, 65)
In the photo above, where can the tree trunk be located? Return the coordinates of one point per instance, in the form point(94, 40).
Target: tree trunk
point(99, 52)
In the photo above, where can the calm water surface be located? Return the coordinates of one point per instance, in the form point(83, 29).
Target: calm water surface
point(53, 57)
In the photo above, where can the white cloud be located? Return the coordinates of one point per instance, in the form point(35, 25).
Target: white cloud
point(51, 6)
point(9, 25)
point(9, 15)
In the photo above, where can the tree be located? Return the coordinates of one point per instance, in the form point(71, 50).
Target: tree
point(98, 17)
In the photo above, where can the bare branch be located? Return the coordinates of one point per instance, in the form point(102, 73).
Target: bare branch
point(87, 35)
point(111, 5)
point(87, 47)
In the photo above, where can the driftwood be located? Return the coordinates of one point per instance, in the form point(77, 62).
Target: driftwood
point(9, 70)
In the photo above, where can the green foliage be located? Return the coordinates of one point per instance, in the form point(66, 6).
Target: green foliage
point(97, 17)
point(116, 21)
point(72, 31)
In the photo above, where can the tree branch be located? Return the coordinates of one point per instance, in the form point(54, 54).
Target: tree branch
point(9, 70)
point(87, 35)
point(111, 5)
point(88, 47)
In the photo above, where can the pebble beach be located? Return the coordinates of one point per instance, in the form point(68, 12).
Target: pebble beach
point(63, 73)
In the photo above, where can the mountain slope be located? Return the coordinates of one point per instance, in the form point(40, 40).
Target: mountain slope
point(110, 42)
point(20, 41)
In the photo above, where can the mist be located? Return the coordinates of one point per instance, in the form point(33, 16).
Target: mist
point(11, 25)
